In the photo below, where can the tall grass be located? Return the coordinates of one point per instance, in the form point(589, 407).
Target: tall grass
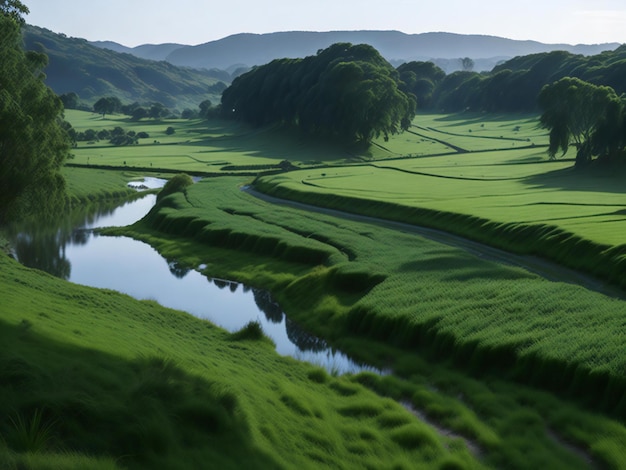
point(130, 384)
point(403, 290)
point(31, 434)
point(549, 241)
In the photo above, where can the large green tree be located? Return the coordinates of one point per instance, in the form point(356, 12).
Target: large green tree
point(573, 110)
point(345, 91)
point(107, 105)
point(33, 143)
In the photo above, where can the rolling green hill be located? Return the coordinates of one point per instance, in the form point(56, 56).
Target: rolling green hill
point(93, 72)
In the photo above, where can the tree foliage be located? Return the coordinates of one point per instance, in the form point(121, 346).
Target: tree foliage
point(14, 10)
point(345, 91)
point(514, 85)
point(33, 142)
point(420, 79)
point(575, 110)
point(107, 105)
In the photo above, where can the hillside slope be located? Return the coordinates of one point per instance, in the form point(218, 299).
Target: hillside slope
point(92, 72)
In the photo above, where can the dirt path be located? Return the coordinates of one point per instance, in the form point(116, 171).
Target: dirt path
point(546, 269)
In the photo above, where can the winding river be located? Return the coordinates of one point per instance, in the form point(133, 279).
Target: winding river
point(71, 250)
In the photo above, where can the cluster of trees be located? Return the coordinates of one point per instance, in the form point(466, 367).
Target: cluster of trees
point(33, 141)
point(421, 79)
point(345, 91)
point(112, 105)
point(591, 118)
point(514, 85)
point(116, 136)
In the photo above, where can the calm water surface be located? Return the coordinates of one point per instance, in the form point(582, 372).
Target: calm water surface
point(72, 251)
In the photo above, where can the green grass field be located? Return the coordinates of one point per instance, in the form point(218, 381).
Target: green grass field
point(506, 191)
point(198, 146)
point(493, 366)
point(208, 146)
point(95, 379)
point(431, 301)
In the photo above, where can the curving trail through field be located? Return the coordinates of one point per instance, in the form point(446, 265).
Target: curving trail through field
point(546, 269)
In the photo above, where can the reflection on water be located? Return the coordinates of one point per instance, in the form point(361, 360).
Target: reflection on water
point(42, 244)
point(72, 251)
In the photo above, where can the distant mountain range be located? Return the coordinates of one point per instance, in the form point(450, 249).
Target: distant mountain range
point(246, 50)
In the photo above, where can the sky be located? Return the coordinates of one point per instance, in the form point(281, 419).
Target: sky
point(135, 22)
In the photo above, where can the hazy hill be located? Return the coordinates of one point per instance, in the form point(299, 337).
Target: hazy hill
point(145, 51)
point(396, 47)
point(77, 66)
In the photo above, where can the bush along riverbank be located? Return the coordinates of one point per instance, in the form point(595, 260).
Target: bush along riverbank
point(411, 295)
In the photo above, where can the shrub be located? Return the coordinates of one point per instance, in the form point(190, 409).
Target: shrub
point(178, 184)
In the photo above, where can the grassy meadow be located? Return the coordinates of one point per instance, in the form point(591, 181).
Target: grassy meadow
point(398, 300)
point(95, 379)
point(513, 198)
point(215, 146)
point(198, 146)
point(492, 366)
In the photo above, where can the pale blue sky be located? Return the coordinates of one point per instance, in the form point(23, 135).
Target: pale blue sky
point(134, 22)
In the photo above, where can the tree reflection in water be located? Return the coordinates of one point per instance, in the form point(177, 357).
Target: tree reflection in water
point(40, 243)
point(304, 340)
point(178, 269)
point(268, 306)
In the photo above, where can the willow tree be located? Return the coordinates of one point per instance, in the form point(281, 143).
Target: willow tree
point(33, 143)
point(573, 110)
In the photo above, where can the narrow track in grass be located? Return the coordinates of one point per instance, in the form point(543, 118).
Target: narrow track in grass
point(547, 269)
point(456, 148)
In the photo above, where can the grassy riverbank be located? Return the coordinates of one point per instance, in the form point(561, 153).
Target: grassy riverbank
point(498, 322)
point(96, 379)
point(493, 366)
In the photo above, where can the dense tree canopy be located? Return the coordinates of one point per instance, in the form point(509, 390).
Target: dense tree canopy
point(574, 111)
point(345, 91)
point(514, 85)
point(33, 143)
point(420, 79)
point(107, 105)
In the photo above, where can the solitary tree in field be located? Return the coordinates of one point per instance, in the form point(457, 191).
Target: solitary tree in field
point(107, 105)
point(573, 110)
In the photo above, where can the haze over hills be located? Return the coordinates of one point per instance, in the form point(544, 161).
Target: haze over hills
point(442, 48)
point(77, 66)
point(145, 51)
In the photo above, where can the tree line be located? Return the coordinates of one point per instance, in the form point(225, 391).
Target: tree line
point(345, 91)
point(514, 85)
point(352, 92)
